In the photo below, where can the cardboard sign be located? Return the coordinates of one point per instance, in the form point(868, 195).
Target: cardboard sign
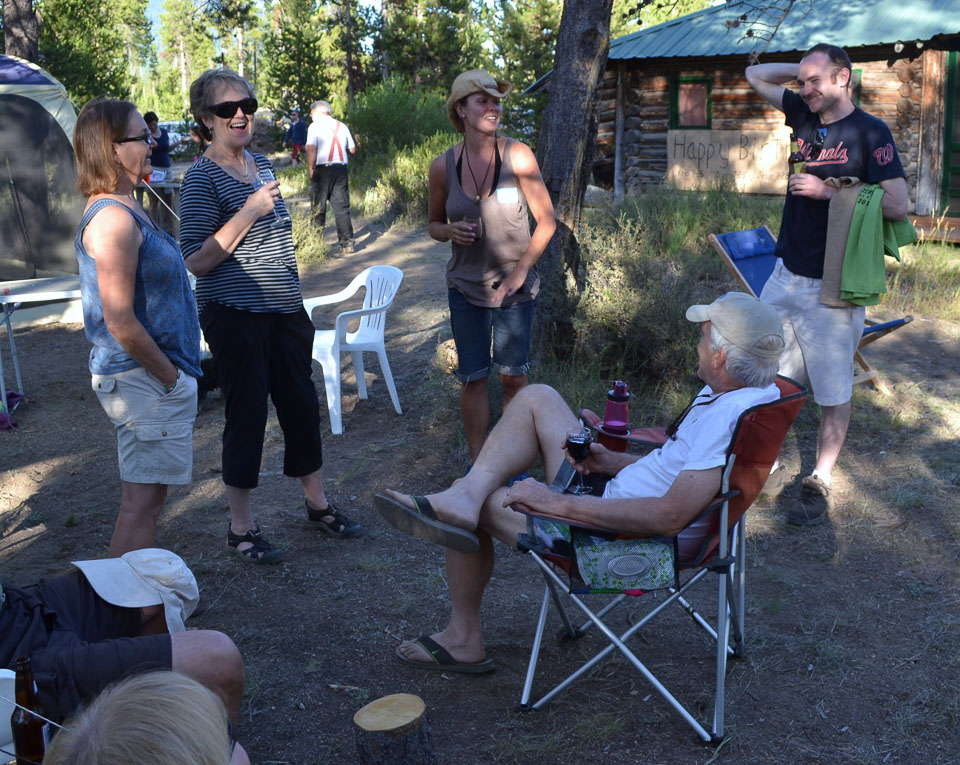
point(750, 161)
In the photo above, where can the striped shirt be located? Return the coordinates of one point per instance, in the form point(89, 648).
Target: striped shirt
point(260, 275)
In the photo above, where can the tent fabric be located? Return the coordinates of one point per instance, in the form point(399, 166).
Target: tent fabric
point(40, 206)
point(22, 78)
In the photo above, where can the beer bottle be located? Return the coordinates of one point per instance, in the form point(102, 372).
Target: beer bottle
point(795, 161)
point(30, 734)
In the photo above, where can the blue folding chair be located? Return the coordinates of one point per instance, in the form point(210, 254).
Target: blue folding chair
point(750, 257)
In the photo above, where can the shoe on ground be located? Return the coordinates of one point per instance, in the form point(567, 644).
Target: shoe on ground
point(815, 503)
point(346, 249)
point(340, 528)
point(776, 482)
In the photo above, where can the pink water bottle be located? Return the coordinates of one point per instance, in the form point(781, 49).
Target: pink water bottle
point(616, 416)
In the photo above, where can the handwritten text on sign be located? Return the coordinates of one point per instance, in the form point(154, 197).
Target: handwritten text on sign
point(751, 161)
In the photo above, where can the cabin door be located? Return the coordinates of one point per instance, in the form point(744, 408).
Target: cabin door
point(950, 191)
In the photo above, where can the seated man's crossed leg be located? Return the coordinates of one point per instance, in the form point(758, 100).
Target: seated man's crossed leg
point(534, 424)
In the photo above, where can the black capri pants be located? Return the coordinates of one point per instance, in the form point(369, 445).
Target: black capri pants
point(258, 355)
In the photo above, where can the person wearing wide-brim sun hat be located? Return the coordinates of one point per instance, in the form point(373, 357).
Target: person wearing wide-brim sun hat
point(480, 192)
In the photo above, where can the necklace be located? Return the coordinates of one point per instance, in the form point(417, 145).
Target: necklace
point(221, 160)
point(478, 186)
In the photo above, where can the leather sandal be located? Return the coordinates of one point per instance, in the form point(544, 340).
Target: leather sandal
point(260, 552)
point(340, 528)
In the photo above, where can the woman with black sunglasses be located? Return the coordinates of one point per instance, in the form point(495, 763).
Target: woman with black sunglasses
point(140, 316)
point(236, 237)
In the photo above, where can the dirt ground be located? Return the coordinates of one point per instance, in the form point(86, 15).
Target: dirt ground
point(852, 627)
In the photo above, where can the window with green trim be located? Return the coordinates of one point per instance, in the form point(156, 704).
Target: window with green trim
point(690, 104)
point(855, 85)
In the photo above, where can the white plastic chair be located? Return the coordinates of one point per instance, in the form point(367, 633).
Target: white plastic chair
point(381, 283)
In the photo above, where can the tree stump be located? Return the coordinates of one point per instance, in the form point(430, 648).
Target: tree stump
point(394, 730)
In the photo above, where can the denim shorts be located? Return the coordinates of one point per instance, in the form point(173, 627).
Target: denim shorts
point(154, 428)
point(471, 332)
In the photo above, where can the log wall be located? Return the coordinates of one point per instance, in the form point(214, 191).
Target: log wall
point(904, 94)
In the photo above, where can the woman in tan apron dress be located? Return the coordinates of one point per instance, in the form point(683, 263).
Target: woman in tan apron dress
point(480, 194)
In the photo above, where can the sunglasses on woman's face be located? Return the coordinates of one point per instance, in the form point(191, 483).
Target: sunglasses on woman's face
point(226, 109)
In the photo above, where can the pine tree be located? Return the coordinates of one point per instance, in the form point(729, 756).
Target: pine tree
point(87, 45)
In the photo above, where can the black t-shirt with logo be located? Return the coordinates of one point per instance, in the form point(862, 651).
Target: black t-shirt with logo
point(858, 145)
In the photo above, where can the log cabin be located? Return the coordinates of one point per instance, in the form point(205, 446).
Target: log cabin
point(675, 106)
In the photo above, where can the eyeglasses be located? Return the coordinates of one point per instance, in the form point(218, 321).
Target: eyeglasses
point(226, 109)
point(145, 137)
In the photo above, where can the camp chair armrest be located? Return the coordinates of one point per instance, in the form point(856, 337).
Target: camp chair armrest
point(594, 531)
point(640, 436)
point(715, 505)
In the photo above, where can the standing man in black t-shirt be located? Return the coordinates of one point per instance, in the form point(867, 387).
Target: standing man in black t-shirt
point(837, 139)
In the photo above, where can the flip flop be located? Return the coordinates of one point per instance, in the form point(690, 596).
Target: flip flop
point(420, 521)
point(443, 661)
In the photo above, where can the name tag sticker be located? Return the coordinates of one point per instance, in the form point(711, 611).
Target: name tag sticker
point(508, 195)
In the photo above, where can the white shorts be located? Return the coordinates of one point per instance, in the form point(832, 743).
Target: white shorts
point(154, 428)
point(820, 340)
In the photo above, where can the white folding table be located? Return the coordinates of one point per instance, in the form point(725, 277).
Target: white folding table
point(17, 293)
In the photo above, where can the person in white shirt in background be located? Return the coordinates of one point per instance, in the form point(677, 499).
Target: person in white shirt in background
point(328, 143)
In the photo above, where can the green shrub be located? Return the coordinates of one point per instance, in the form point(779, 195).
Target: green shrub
point(294, 181)
point(926, 281)
point(393, 115)
point(308, 242)
point(401, 186)
point(645, 262)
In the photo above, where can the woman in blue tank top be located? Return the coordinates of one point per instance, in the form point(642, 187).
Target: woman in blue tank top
point(140, 316)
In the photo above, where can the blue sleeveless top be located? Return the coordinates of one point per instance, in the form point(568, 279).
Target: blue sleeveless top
point(162, 301)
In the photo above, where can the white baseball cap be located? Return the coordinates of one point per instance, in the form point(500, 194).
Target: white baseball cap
point(148, 577)
point(744, 321)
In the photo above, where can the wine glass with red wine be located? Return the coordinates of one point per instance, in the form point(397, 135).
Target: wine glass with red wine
point(578, 447)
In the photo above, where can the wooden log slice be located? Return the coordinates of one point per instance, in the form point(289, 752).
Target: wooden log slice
point(393, 730)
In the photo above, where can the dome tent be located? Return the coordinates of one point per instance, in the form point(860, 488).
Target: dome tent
point(40, 206)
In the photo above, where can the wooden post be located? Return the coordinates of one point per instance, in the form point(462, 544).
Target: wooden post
point(394, 730)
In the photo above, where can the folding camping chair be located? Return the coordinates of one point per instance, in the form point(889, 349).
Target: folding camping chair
point(750, 256)
point(753, 449)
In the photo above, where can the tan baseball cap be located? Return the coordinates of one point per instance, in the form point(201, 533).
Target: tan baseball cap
point(744, 321)
point(474, 81)
point(147, 577)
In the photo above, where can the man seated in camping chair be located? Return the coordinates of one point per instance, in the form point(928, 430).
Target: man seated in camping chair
point(657, 495)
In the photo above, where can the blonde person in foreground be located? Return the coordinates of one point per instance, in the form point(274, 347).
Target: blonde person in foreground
point(480, 191)
point(160, 718)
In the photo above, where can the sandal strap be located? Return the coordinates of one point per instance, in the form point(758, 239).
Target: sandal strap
point(253, 537)
point(341, 522)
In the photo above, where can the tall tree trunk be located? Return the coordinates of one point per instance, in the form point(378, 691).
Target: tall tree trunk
point(240, 51)
point(565, 152)
point(184, 91)
point(21, 29)
point(348, 45)
point(384, 26)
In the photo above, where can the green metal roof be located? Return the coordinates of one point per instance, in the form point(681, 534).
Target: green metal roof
point(850, 24)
